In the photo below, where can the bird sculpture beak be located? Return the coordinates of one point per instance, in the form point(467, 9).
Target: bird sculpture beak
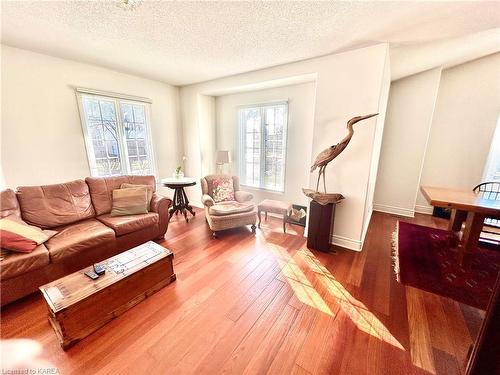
point(360, 118)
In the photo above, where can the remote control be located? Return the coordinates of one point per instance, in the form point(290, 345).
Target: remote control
point(92, 275)
point(99, 269)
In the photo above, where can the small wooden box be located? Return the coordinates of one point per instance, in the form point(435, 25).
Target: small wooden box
point(79, 306)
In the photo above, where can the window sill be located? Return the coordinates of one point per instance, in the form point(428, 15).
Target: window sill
point(263, 190)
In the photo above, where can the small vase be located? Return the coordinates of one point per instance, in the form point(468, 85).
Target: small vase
point(178, 175)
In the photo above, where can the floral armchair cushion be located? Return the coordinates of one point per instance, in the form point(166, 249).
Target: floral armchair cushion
point(222, 189)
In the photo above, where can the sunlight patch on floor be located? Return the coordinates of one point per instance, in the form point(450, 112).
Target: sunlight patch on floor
point(364, 319)
point(304, 290)
point(300, 284)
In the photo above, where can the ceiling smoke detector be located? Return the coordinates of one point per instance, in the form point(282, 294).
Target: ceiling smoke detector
point(129, 4)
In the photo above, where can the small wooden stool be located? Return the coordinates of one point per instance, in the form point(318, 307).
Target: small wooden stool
point(275, 207)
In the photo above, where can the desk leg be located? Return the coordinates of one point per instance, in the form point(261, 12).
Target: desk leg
point(472, 231)
point(456, 220)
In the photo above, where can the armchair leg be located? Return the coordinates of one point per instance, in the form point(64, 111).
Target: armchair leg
point(253, 228)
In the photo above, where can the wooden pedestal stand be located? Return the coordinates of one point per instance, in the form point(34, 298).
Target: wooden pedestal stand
point(321, 221)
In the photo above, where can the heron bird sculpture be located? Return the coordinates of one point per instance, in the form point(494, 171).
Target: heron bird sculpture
point(326, 156)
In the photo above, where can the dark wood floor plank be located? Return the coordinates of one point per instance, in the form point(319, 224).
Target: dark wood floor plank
point(420, 334)
point(214, 360)
point(264, 355)
point(243, 353)
point(267, 304)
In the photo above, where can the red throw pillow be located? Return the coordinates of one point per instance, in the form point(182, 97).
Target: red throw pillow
point(16, 235)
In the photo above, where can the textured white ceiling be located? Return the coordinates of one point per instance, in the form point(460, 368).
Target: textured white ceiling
point(187, 42)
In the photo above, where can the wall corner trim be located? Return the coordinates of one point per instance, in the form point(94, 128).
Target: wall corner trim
point(347, 243)
point(400, 211)
point(421, 209)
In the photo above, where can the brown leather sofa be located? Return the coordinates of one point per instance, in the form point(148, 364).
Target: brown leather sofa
point(79, 211)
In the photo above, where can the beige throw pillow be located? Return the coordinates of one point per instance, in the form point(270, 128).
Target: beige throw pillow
point(130, 201)
point(149, 189)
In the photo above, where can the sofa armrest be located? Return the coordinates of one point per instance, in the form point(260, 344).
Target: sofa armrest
point(242, 196)
point(160, 205)
point(207, 200)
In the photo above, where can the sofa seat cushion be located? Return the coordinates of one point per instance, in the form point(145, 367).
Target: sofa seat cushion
point(14, 264)
point(230, 208)
point(131, 223)
point(73, 239)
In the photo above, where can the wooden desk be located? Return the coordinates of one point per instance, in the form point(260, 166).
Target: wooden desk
point(466, 206)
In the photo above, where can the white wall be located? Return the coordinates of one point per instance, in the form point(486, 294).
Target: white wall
point(42, 140)
point(348, 84)
point(409, 117)
point(299, 135)
point(207, 130)
point(465, 118)
point(377, 144)
point(438, 132)
point(445, 53)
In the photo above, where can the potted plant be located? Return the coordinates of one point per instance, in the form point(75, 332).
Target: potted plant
point(178, 172)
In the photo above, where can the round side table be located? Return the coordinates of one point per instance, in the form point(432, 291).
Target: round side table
point(180, 199)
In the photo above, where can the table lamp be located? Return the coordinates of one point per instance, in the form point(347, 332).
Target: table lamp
point(222, 157)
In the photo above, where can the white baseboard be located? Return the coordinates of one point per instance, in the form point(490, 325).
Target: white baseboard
point(424, 209)
point(366, 225)
point(348, 243)
point(197, 204)
point(394, 210)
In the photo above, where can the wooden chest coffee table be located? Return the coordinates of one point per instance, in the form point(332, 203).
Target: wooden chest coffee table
point(79, 305)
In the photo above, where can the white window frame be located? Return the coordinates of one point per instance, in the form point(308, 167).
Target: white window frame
point(117, 99)
point(490, 172)
point(242, 145)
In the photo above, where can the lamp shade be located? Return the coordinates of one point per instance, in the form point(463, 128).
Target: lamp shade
point(223, 157)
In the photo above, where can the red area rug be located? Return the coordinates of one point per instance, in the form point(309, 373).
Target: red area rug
point(426, 258)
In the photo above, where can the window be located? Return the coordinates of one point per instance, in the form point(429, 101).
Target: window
point(117, 135)
point(263, 146)
point(492, 169)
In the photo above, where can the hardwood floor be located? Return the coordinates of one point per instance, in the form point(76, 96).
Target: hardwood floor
point(245, 304)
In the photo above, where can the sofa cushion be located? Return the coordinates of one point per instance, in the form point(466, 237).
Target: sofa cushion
point(9, 204)
point(101, 189)
point(131, 201)
point(149, 190)
point(78, 237)
point(127, 224)
point(14, 264)
point(229, 208)
point(51, 206)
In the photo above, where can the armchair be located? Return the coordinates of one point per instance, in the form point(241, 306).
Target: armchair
point(227, 214)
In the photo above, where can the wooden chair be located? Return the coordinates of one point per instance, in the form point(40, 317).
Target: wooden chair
point(489, 190)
